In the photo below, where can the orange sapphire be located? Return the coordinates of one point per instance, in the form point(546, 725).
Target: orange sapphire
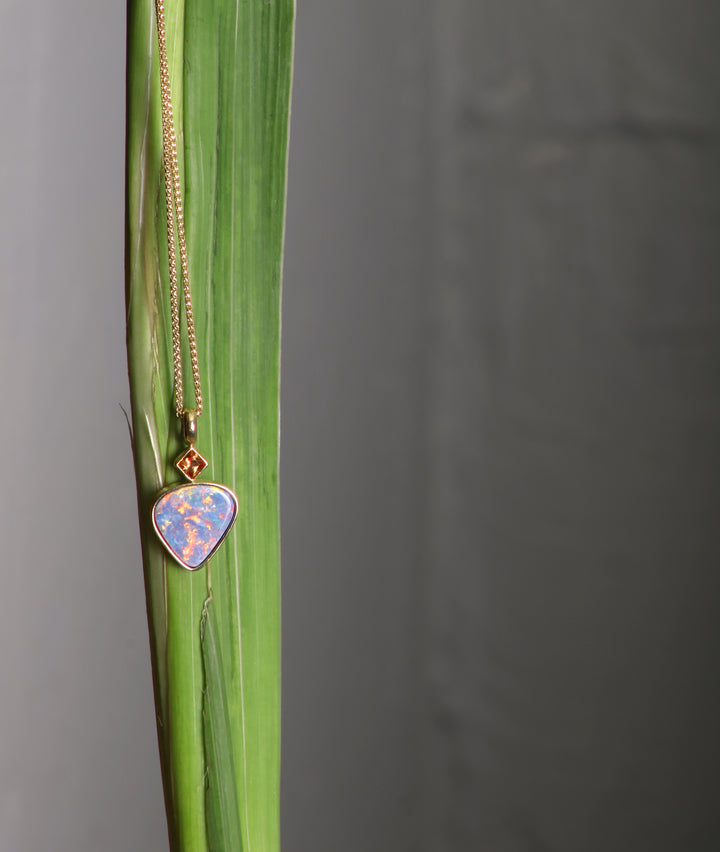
point(191, 463)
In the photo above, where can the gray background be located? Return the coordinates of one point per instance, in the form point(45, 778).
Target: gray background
point(501, 421)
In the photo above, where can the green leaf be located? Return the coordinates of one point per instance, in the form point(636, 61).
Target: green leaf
point(223, 816)
point(214, 633)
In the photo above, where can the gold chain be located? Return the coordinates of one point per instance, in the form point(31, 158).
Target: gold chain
point(174, 204)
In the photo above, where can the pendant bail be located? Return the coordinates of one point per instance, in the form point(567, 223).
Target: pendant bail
point(190, 426)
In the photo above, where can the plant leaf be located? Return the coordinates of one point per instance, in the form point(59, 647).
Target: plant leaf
point(223, 816)
point(214, 633)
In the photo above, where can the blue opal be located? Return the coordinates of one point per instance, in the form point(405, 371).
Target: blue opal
point(193, 519)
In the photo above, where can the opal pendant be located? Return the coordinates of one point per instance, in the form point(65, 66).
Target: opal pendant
point(192, 519)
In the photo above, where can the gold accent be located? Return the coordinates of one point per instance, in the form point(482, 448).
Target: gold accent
point(174, 205)
point(190, 426)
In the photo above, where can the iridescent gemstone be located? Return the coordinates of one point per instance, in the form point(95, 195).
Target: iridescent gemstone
point(193, 519)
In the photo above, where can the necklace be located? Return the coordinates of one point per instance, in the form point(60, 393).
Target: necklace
point(193, 518)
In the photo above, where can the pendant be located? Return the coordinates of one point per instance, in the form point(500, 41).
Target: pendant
point(193, 518)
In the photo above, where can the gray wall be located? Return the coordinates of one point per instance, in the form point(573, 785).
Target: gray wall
point(501, 409)
point(502, 390)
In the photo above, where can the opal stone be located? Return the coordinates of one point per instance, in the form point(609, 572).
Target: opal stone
point(193, 519)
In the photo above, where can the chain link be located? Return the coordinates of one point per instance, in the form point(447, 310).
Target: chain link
point(175, 218)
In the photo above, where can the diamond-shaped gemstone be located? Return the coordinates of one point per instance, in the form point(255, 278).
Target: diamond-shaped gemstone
point(191, 463)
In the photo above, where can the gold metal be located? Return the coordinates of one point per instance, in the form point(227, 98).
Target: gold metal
point(176, 219)
point(190, 463)
point(190, 430)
